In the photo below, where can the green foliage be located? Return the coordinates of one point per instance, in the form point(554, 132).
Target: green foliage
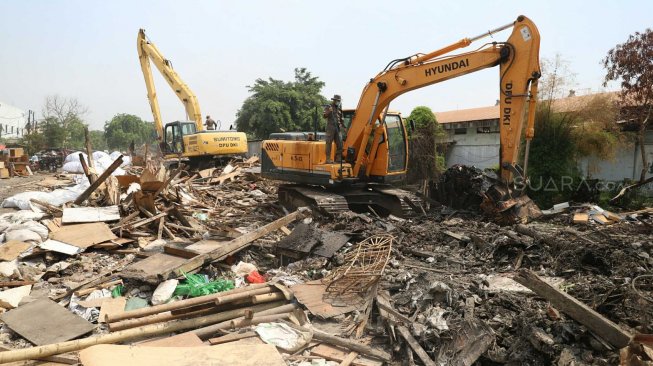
point(98, 142)
point(125, 128)
point(553, 173)
point(33, 143)
point(424, 161)
point(423, 117)
point(278, 106)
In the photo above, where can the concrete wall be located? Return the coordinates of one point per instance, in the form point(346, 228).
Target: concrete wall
point(482, 150)
point(478, 149)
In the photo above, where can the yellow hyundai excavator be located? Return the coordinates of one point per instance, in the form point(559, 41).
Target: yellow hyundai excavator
point(185, 139)
point(375, 146)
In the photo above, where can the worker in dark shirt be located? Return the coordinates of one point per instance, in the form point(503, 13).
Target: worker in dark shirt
point(333, 114)
point(210, 124)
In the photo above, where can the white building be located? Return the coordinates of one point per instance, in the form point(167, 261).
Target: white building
point(473, 137)
point(12, 121)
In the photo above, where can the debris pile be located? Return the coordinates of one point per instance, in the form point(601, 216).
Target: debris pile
point(139, 267)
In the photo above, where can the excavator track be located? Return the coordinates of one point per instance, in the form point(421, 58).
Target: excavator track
point(381, 199)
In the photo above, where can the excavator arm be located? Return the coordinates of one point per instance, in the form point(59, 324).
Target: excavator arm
point(148, 51)
point(519, 70)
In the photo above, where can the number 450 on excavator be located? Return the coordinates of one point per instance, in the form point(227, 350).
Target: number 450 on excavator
point(375, 146)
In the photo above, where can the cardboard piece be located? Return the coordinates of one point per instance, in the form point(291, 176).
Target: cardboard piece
point(84, 235)
point(581, 218)
point(224, 354)
point(10, 299)
point(112, 306)
point(74, 215)
point(12, 249)
point(43, 322)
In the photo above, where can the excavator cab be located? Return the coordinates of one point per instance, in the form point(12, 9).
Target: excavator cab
point(174, 136)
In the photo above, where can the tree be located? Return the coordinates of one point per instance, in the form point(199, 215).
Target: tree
point(97, 140)
point(278, 106)
point(64, 121)
point(557, 79)
point(632, 63)
point(125, 128)
point(424, 160)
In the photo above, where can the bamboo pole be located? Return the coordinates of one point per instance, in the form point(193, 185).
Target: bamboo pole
point(169, 315)
point(121, 336)
point(257, 299)
point(261, 317)
point(138, 313)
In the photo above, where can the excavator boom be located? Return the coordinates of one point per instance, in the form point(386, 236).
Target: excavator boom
point(147, 51)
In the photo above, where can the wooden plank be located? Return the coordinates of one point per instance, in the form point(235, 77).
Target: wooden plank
point(580, 312)
point(75, 215)
point(82, 197)
point(600, 219)
point(412, 342)
point(232, 337)
point(180, 340)
point(349, 359)
point(44, 322)
point(236, 245)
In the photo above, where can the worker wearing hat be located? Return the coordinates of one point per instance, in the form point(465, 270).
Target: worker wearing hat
point(333, 114)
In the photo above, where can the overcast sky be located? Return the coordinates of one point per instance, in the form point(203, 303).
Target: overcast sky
point(87, 49)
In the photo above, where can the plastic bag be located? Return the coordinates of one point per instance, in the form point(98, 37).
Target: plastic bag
point(199, 285)
point(255, 277)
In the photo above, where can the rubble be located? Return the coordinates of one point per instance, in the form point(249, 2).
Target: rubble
point(213, 259)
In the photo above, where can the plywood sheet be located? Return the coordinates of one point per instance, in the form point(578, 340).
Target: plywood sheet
point(220, 355)
point(43, 322)
point(12, 249)
point(76, 215)
point(337, 354)
point(188, 339)
point(112, 306)
point(84, 235)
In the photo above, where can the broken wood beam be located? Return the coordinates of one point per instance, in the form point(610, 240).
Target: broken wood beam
point(236, 245)
point(349, 359)
point(82, 197)
point(578, 311)
point(48, 206)
point(412, 342)
point(232, 337)
point(528, 231)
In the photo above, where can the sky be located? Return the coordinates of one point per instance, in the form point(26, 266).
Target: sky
point(86, 49)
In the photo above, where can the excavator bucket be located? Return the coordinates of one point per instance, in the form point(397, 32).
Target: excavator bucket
point(507, 206)
point(467, 187)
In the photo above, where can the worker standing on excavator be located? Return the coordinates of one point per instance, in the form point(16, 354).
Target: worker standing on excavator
point(333, 114)
point(210, 123)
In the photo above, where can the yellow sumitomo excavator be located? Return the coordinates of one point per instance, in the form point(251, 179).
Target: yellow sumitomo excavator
point(185, 139)
point(375, 145)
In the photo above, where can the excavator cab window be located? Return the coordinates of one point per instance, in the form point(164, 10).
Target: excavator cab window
point(396, 143)
point(188, 128)
point(173, 138)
